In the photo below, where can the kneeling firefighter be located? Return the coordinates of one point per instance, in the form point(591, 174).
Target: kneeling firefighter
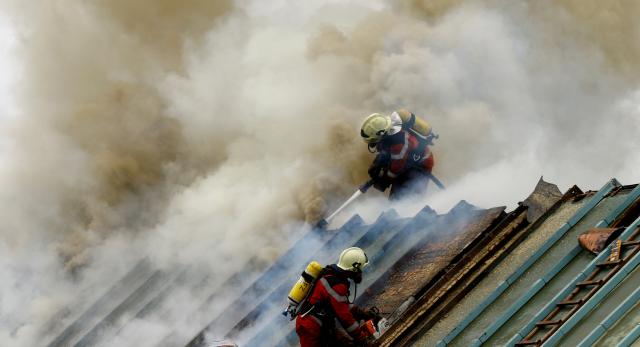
point(327, 318)
point(404, 160)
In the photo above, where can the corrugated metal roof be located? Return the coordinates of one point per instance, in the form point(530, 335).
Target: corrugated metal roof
point(470, 266)
point(454, 281)
point(528, 249)
point(494, 318)
point(440, 263)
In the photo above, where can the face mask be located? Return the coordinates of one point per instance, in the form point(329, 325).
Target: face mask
point(357, 277)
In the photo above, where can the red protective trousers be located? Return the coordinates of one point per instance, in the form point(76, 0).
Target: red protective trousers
point(331, 292)
point(309, 330)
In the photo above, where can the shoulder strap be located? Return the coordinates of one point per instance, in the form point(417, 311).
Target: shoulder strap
point(304, 305)
point(333, 280)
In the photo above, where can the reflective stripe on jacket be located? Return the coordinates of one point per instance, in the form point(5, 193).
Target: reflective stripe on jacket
point(404, 152)
point(331, 294)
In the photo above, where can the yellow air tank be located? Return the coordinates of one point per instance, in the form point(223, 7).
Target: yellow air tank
point(302, 288)
point(420, 126)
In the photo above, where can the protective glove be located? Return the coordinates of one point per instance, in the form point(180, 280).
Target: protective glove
point(378, 177)
point(375, 171)
point(381, 184)
point(373, 313)
point(379, 163)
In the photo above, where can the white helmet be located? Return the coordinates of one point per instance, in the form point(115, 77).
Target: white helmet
point(353, 259)
point(376, 126)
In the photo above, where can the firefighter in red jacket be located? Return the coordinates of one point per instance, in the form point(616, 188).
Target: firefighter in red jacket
point(404, 160)
point(328, 318)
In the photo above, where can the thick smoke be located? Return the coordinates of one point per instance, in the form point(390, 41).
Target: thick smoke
point(205, 131)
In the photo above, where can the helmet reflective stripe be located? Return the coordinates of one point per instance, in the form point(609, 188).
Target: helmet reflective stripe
point(353, 259)
point(403, 151)
point(336, 296)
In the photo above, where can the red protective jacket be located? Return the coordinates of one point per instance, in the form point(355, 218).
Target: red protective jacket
point(330, 301)
point(405, 151)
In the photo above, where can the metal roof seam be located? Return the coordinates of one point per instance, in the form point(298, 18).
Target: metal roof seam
point(593, 301)
point(633, 196)
point(633, 335)
point(504, 285)
point(610, 320)
point(571, 285)
point(547, 245)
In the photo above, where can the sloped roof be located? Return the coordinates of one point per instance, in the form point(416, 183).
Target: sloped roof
point(382, 254)
point(470, 265)
point(416, 258)
point(505, 308)
point(450, 279)
point(447, 236)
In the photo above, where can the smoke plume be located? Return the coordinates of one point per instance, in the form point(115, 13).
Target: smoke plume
point(208, 131)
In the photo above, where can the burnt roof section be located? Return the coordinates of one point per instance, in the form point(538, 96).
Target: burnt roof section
point(447, 237)
point(543, 196)
point(471, 264)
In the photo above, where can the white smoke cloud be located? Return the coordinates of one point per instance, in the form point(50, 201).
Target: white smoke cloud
point(192, 134)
